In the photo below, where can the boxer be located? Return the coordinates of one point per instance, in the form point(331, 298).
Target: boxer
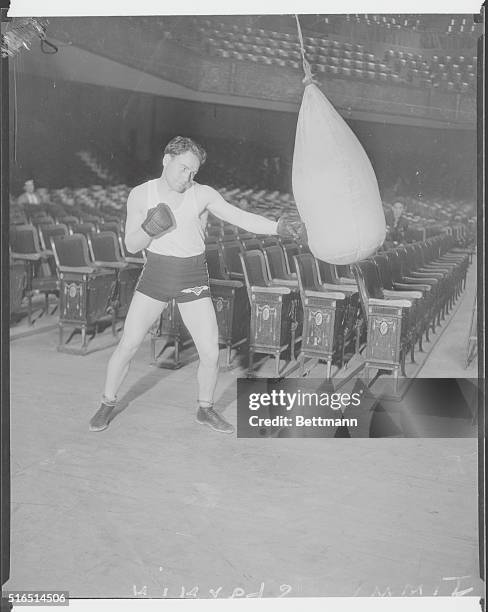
point(167, 216)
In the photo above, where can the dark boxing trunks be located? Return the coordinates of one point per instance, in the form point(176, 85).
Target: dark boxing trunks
point(183, 278)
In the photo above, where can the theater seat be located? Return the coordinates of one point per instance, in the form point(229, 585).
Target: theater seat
point(40, 273)
point(274, 311)
point(327, 328)
point(390, 331)
point(86, 291)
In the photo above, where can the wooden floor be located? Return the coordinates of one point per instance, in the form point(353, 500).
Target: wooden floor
point(157, 505)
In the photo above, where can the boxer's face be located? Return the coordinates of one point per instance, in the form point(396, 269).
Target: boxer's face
point(180, 170)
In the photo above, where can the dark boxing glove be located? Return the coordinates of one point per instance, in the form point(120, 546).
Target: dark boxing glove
point(295, 230)
point(159, 220)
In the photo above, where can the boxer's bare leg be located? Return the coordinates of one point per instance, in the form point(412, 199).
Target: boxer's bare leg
point(143, 311)
point(200, 320)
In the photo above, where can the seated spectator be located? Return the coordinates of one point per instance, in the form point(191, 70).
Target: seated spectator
point(29, 196)
point(397, 223)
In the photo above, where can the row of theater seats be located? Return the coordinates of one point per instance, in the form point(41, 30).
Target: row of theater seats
point(271, 293)
point(336, 58)
point(449, 72)
point(85, 264)
point(296, 299)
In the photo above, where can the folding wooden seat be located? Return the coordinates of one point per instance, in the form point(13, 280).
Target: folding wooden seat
point(41, 219)
point(423, 308)
point(17, 283)
point(250, 244)
point(390, 332)
point(86, 290)
point(46, 232)
point(329, 323)
point(69, 221)
point(138, 258)
point(105, 252)
point(87, 229)
point(274, 311)
point(40, 277)
point(402, 273)
point(230, 301)
point(277, 266)
point(230, 252)
point(110, 226)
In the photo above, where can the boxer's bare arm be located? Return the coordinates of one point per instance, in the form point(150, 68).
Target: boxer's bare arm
point(136, 238)
point(215, 203)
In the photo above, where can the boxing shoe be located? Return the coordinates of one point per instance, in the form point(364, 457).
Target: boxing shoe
point(206, 415)
point(159, 220)
point(287, 228)
point(101, 418)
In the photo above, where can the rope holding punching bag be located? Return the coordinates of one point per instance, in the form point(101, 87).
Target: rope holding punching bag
point(334, 184)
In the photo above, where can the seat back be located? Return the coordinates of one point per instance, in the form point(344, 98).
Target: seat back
point(214, 262)
point(406, 263)
point(25, 240)
point(125, 252)
point(291, 249)
point(230, 255)
point(370, 278)
point(42, 219)
point(72, 251)
point(270, 241)
point(87, 229)
point(48, 232)
point(307, 273)
point(276, 261)
point(105, 247)
point(384, 268)
point(110, 226)
point(254, 268)
point(328, 272)
point(251, 244)
point(69, 221)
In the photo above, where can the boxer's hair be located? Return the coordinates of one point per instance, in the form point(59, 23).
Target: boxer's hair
point(182, 144)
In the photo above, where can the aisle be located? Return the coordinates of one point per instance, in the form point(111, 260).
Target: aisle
point(157, 503)
point(448, 356)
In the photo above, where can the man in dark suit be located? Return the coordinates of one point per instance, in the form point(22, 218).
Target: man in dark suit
point(397, 223)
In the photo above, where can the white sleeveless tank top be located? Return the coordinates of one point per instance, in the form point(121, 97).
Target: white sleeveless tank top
point(187, 239)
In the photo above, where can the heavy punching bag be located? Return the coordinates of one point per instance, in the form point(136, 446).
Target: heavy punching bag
point(334, 184)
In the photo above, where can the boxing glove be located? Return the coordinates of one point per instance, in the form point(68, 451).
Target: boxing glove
point(159, 220)
point(287, 228)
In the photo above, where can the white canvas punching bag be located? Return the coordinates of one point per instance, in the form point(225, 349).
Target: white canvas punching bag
point(334, 185)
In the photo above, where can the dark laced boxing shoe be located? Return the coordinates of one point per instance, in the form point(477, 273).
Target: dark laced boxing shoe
point(206, 415)
point(101, 418)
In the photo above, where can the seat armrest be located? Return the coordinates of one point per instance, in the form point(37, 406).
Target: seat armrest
point(276, 290)
point(417, 279)
point(217, 282)
point(399, 303)
point(331, 295)
point(344, 288)
point(410, 294)
point(413, 286)
point(285, 282)
point(135, 260)
point(116, 265)
point(239, 276)
point(27, 256)
point(77, 269)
